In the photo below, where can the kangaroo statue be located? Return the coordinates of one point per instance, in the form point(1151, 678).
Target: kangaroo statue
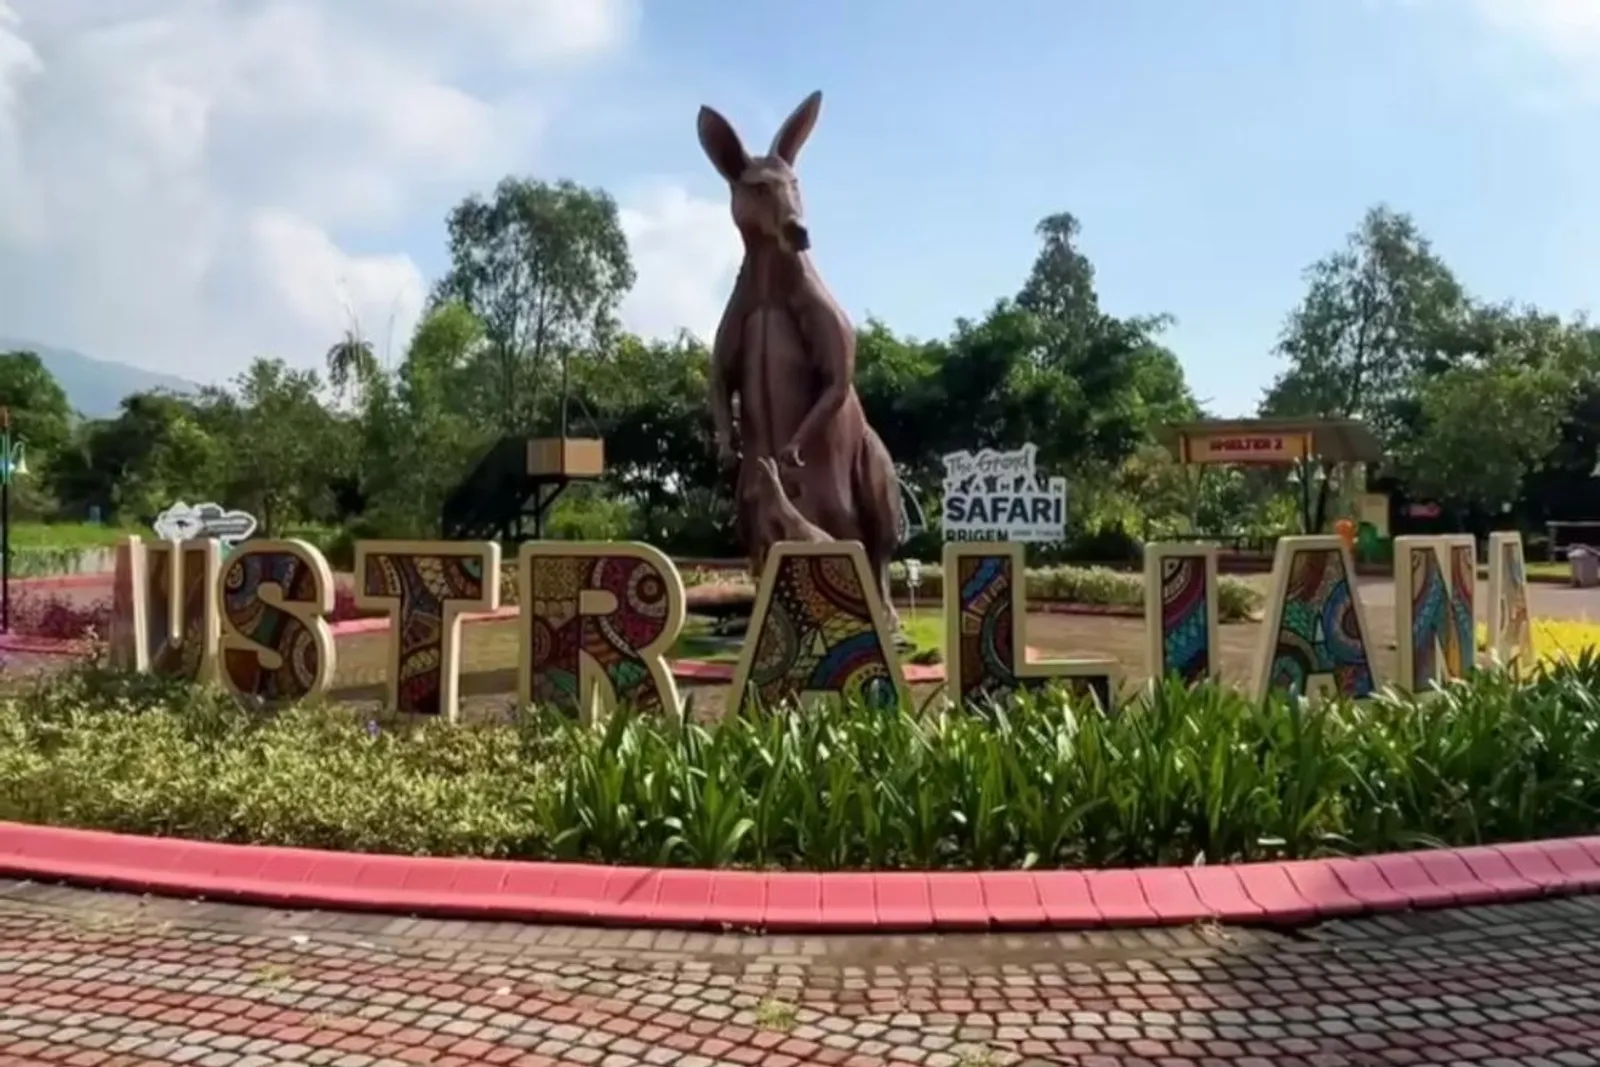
point(787, 352)
point(773, 516)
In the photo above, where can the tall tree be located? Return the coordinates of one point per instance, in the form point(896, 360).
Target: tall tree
point(40, 414)
point(544, 268)
point(350, 362)
point(289, 449)
point(1376, 314)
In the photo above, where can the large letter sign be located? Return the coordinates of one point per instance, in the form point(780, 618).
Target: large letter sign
point(425, 587)
point(598, 619)
point(985, 603)
point(818, 628)
point(1315, 635)
point(1510, 629)
point(276, 645)
point(1434, 579)
point(172, 595)
point(1180, 611)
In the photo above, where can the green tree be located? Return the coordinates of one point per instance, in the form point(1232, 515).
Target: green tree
point(1377, 313)
point(1485, 427)
point(420, 436)
point(350, 362)
point(40, 414)
point(157, 451)
point(544, 268)
point(286, 447)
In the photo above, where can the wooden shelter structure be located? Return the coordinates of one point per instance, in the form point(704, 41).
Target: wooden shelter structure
point(1272, 441)
point(1315, 449)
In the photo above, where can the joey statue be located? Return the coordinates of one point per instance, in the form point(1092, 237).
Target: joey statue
point(787, 351)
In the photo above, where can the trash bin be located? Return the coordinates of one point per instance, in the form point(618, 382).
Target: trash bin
point(1585, 563)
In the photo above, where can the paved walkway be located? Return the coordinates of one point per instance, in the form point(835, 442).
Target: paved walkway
point(96, 980)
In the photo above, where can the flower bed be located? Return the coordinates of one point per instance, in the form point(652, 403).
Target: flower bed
point(1183, 776)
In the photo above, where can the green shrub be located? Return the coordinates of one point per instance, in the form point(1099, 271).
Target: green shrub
point(1236, 600)
point(1176, 776)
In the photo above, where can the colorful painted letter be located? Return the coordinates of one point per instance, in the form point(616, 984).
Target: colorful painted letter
point(176, 624)
point(1180, 610)
point(1435, 579)
point(276, 645)
point(425, 587)
point(819, 628)
point(985, 605)
point(598, 619)
point(1510, 628)
point(1315, 630)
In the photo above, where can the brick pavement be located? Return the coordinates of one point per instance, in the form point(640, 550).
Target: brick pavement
point(105, 980)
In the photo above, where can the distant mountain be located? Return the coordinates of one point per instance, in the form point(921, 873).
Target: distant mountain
point(95, 387)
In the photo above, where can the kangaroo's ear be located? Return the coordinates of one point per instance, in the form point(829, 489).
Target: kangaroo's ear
point(791, 136)
point(722, 145)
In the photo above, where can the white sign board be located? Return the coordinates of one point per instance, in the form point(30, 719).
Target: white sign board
point(997, 496)
point(185, 522)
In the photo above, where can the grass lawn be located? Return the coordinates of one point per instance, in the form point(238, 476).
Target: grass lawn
point(65, 535)
point(926, 633)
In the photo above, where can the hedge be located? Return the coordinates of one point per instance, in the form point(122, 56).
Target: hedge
point(1175, 776)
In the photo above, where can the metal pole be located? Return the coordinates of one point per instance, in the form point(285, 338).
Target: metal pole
point(5, 520)
point(5, 543)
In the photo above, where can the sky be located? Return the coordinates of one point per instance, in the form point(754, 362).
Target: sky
point(188, 184)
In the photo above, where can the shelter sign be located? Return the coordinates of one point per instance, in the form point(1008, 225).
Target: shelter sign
point(998, 496)
point(1255, 447)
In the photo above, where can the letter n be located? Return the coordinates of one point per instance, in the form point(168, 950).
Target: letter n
point(819, 628)
point(1510, 627)
point(174, 616)
point(1180, 610)
point(1435, 579)
point(597, 621)
point(277, 647)
point(985, 612)
point(425, 587)
point(1315, 635)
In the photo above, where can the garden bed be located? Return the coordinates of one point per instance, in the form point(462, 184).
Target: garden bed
point(1202, 775)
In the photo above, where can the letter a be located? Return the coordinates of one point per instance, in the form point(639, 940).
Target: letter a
point(819, 628)
point(1315, 632)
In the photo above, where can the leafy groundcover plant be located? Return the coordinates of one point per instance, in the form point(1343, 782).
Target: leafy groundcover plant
point(1175, 776)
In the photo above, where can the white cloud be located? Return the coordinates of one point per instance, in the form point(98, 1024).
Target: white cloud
point(1549, 49)
point(685, 251)
point(187, 184)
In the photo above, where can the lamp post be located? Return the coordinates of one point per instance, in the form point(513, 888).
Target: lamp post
point(13, 461)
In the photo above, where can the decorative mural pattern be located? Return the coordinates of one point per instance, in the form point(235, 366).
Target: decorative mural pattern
point(179, 625)
point(278, 652)
point(1315, 626)
point(818, 628)
point(1185, 619)
point(1437, 614)
point(984, 655)
point(1510, 627)
point(598, 621)
point(424, 586)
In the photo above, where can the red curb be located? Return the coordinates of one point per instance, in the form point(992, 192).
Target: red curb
point(1283, 894)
